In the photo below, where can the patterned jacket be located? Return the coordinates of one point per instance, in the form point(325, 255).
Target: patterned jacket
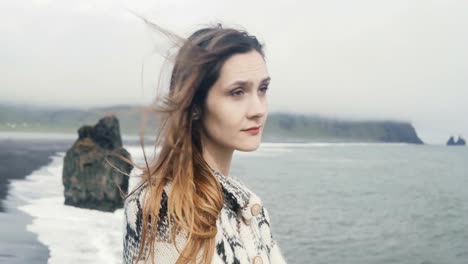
point(244, 234)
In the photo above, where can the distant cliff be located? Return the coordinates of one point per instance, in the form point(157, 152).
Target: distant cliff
point(66, 120)
point(280, 127)
point(315, 128)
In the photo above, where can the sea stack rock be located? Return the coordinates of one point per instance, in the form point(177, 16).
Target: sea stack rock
point(460, 142)
point(89, 180)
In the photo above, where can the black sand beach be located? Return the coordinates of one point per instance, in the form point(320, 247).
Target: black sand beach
point(19, 158)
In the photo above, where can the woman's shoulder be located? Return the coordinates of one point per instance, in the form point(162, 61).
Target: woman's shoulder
point(134, 206)
point(138, 196)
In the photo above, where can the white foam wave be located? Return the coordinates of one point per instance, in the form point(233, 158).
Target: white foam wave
point(73, 235)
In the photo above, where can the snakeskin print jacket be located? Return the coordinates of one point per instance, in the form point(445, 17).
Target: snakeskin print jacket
point(244, 233)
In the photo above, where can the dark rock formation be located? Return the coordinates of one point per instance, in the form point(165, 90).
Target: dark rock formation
point(89, 180)
point(459, 142)
point(451, 141)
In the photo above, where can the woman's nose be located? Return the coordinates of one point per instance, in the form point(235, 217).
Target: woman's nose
point(257, 106)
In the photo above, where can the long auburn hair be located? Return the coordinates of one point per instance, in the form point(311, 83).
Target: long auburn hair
point(196, 199)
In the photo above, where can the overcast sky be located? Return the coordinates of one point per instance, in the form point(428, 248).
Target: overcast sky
point(399, 59)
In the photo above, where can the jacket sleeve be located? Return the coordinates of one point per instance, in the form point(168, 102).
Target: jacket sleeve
point(276, 255)
point(164, 250)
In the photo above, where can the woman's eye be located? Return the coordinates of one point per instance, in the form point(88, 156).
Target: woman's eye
point(237, 93)
point(264, 89)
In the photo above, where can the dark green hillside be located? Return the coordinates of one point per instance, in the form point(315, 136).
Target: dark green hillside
point(314, 128)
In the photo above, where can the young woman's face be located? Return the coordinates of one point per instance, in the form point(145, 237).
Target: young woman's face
point(237, 101)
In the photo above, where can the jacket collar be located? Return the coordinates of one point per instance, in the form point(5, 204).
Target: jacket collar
point(237, 196)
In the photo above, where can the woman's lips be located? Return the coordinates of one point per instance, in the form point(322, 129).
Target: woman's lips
point(252, 131)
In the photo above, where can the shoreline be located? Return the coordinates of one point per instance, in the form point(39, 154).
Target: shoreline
point(18, 159)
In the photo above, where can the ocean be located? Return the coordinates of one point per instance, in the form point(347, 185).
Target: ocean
point(328, 203)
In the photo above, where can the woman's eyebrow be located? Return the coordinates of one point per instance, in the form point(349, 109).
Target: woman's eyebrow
point(249, 83)
point(267, 79)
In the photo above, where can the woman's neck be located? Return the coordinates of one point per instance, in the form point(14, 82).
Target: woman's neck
point(218, 158)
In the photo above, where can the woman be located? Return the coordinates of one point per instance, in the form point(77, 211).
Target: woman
point(187, 209)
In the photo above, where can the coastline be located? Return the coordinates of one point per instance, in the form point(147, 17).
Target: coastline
point(359, 160)
point(19, 157)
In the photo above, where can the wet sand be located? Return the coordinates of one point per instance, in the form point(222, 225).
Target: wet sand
point(19, 158)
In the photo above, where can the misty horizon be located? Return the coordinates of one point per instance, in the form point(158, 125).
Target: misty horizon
point(358, 59)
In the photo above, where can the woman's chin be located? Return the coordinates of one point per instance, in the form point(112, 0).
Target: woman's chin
point(249, 147)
